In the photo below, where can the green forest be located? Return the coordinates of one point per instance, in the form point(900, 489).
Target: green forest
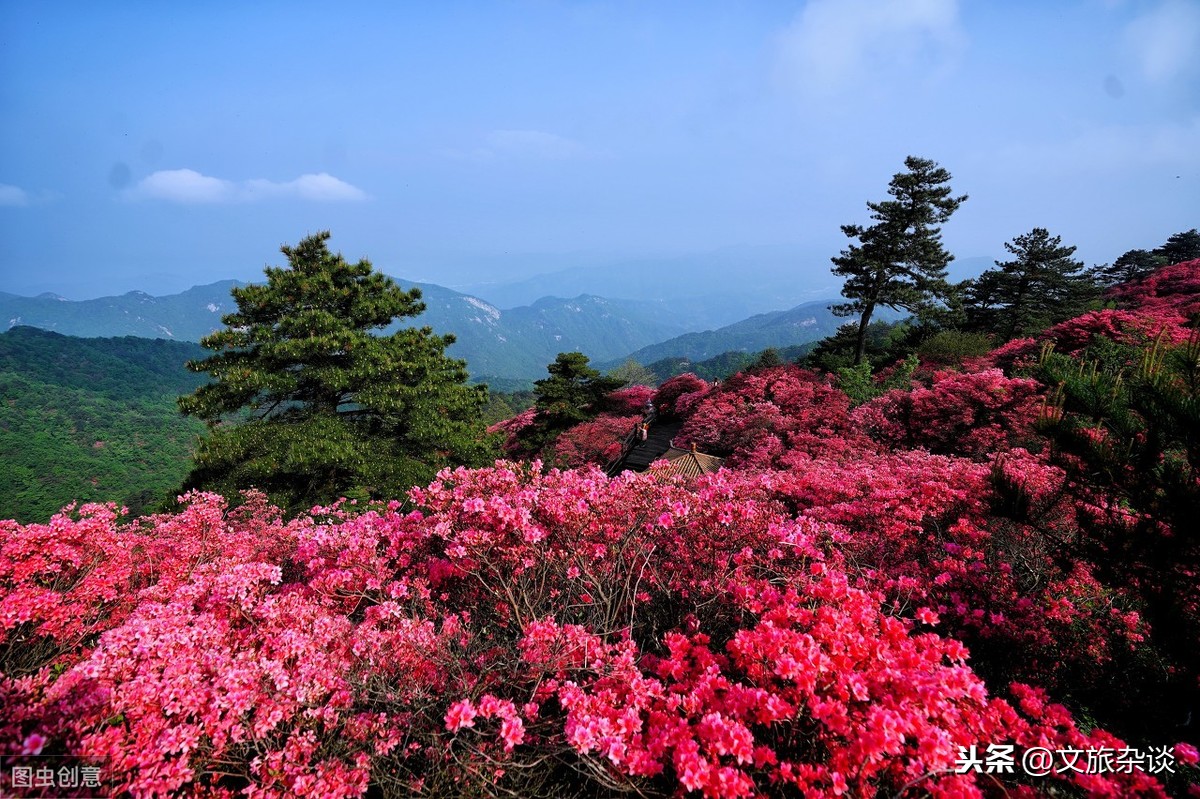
point(91, 420)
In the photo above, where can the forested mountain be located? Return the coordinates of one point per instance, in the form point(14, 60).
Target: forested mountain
point(186, 316)
point(519, 342)
point(722, 366)
point(511, 344)
point(91, 420)
point(804, 323)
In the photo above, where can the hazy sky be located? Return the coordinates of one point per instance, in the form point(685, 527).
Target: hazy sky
point(160, 145)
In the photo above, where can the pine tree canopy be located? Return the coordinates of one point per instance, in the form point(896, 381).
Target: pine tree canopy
point(1180, 247)
point(310, 404)
point(573, 393)
point(1132, 264)
point(1039, 287)
point(899, 261)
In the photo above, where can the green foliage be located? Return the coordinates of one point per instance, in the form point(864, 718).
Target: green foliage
point(899, 261)
point(883, 343)
point(91, 420)
point(573, 393)
point(501, 405)
point(1125, 421)
point(1180, 247)
point(333, 409)
point(950, 347)
point(766, 359)
point(1132, 264)
point(859, 384)
point(1041, 286)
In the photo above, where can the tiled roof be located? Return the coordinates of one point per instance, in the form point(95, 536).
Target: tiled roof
point(689, 463)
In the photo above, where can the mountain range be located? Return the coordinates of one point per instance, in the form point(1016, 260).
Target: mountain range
point(697, 291)
point(499, 345)
point(807, 322)
point(187, 316)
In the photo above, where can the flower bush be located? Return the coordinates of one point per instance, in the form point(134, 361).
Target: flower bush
point(971, 413)
point(667, 397)
point(861, 596)
point(755, 418)
point(596, 442)
point(530, 632)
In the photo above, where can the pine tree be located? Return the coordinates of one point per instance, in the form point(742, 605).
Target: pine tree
point(573, 393)
point(1041, 286)
point(1180, 247)
point(1132, 265)
point(309, 404)
point(899, 261)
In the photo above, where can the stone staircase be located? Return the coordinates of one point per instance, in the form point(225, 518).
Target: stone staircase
point(641, 454)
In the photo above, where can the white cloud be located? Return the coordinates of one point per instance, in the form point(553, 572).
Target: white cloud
point(13, 195)
point(184, 186)
point(189, 186)
point(527, 144)
point(833, 45)
point(322, 187)
point(1166, 40)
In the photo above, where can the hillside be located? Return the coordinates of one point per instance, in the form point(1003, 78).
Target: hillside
point(811, 321)
point(91, 420)
point(723, 365)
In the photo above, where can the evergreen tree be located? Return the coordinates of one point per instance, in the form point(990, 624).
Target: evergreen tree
point(899, 261)
point(1041, 286)
point(1132, 265)
point(308, 404)
point(573, 393)
point(1181, 247)
point(766, 359)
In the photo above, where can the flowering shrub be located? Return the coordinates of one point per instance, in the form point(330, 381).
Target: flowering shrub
point(1159, 305)
point(798, 625)
point(970, 414)
point(628, 401)
point(1176, 287)
point(754, 418)
point(512, 445)
point(643, 635)
point(1127, 327)
point(666, 399)
point(64, 583)
point(596, 442)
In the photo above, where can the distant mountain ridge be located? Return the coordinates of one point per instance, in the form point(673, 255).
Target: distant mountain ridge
point(807, 322)
point(697, 291)
point(509, 344)
point(187, 316)
point(519, 342)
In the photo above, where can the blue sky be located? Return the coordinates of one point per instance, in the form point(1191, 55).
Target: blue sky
point(161, 145)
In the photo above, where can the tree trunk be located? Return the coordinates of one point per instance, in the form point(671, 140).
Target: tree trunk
point(860, 345)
